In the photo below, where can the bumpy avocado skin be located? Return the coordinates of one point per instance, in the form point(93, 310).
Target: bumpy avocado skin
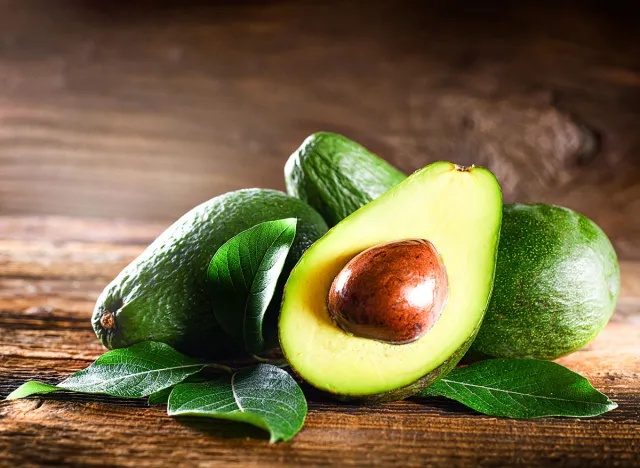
point(336, 175)
point(163, 295)
point(556, 286)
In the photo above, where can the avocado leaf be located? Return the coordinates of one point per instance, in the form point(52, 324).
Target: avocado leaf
point(264, 396)
point(161, 397)
point(521, 388)
point(138, 371)
point(244, 273)
point(32, 388)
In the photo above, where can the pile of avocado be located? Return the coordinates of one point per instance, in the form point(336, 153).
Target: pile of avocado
point(524, 280)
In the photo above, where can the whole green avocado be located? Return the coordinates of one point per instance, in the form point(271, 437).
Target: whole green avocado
point(556, 286)
point(336, 175)
point(163, 294)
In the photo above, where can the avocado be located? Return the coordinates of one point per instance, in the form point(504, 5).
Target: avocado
point(163, 296)
point(336, 175)
point(458, 210)
point(556, 287)
point(557, 277)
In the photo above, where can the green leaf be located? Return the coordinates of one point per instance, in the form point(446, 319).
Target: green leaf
point(133, 372)
point(521, 388)
point(31, 388)
point(244, 273)
point(162, 397)
point(264, 396)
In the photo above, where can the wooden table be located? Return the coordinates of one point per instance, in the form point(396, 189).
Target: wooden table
point(53, 268)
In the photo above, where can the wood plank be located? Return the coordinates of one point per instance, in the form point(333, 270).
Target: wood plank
point(51, 271)
point(402, 434)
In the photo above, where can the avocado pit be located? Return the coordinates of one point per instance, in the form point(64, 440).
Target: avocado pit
point(392, 292)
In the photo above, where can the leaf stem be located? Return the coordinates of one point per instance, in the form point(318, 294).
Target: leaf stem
point(280, 363)
point(274, 362)
point(220, 367)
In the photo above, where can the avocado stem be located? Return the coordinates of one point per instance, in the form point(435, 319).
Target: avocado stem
point(461, 168)
point(107, 320)
point(273, 362)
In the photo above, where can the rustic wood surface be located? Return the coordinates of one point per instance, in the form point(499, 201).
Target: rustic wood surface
point(53, 268)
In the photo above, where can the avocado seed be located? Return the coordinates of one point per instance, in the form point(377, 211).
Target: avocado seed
point(392, 292)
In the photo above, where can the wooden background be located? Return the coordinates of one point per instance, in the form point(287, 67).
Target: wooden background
point(143, 109)
point(117, 117)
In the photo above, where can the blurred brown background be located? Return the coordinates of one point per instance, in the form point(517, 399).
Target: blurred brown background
point(141, 110)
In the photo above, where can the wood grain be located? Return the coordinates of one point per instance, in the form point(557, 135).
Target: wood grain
point(53, 268)
point(144, 109)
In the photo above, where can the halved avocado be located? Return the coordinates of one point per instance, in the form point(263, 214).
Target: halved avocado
point(459, 211)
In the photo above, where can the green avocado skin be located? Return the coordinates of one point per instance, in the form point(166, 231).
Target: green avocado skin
point(336, 175)
point(163, 294)
point(556, 286)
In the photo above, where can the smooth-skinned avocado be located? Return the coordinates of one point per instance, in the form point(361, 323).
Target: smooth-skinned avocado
point(556, 287)
point(458, 211)
point(336, 175)
point(163, 294)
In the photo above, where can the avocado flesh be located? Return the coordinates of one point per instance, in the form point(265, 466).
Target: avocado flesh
point(556, 286)
point(163, 294)
point(459, 211)
point(336, 175)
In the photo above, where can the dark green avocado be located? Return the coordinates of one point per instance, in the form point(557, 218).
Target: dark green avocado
point(556, 287)
point(163, 295)
point(336, 175)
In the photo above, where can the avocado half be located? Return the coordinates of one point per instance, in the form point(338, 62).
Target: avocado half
point(457, 209)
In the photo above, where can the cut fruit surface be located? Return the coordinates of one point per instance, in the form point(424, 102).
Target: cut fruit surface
point(458, 210)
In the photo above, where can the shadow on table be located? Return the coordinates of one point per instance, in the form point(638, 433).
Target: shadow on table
point(224, 429)
point(206, 426)
point(71, 397)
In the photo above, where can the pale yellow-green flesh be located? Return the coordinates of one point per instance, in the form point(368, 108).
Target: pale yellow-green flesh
point(460, 213)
